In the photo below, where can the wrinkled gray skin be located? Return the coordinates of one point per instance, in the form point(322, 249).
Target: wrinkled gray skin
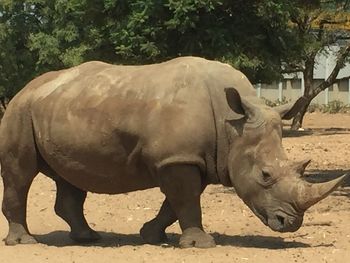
point(178, 125)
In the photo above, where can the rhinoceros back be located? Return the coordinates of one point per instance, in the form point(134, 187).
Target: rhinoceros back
point(107, 128)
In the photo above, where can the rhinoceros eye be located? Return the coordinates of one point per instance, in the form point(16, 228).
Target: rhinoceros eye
point(266, 176)
point(266, 179)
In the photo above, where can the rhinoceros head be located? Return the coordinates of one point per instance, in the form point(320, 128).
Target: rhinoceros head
point(271, 185)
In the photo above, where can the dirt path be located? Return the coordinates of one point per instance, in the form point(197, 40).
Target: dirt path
point(241, 237)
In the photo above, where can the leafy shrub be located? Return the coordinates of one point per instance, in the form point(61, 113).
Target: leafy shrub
point(332, 107)
point(276, 102)
point(335, 106)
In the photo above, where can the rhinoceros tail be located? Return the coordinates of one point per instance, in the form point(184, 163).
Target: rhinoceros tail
point(17, 144)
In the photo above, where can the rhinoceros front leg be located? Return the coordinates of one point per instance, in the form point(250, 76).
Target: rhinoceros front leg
point(182, 186)
point(153, 232)
point(69, 206)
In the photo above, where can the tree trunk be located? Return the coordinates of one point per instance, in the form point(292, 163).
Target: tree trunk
point(298, 119)
point(308, 75)
point(3, 103)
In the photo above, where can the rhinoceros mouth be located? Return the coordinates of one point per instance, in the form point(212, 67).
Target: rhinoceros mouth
point(282, 222)
point(261, 215)
point(279, 221)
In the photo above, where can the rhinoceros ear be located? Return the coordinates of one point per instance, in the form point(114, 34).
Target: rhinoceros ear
point(300, 166)
point(288, 111)
point(242, 107)
point(234, 101)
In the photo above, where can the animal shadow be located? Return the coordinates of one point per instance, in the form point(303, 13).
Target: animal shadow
point(108, 239)
point(257, 241)
point(317, 131)
point(319, 176)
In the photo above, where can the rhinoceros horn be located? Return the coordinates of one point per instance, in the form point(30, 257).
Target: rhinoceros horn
point(309, 194)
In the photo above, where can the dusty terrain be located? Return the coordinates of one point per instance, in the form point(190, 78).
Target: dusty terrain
point(241, 237)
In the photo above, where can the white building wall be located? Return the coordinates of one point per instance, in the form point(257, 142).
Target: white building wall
point(292, 91)
point(292, 85)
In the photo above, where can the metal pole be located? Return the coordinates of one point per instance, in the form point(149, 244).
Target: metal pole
point(302, 85)
point(326, 94)
point(280, 91)
point(258, 90)
point(349, 91)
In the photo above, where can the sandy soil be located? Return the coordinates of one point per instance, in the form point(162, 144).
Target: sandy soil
point(241, 237)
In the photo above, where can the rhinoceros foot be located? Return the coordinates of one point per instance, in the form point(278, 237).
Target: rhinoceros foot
point(195, 237)
point(85, 236)
point(24, 239)
point(152, 233)
point(18, 235)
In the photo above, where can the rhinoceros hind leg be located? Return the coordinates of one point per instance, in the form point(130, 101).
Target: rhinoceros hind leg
point(17, 181)
point(69, 206)
point(153, 232)
point(182, 185)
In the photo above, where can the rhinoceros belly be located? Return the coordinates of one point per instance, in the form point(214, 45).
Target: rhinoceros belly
point(96, 162)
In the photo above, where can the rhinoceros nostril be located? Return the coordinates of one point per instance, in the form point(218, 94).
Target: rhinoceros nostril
point(280, 219)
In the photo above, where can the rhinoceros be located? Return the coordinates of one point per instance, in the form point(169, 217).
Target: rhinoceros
point(179, 125)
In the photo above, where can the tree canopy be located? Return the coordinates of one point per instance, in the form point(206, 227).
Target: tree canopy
point(42, 35)
point(315, 29)
point(256, 37)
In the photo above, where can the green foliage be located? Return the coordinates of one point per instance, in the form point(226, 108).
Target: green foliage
point(42, 35)
point(311, 31)
point(332, 107)
point(17, 63)
point(276, 102)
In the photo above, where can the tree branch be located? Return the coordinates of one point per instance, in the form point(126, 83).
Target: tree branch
point(292, 70)
point(321, 29)
point(332, 22)
point(338, 66)
point(2, 101)
point(292, 67)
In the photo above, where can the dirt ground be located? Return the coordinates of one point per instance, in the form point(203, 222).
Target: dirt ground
point(241, 237)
